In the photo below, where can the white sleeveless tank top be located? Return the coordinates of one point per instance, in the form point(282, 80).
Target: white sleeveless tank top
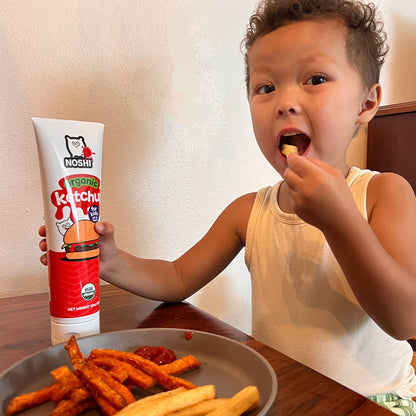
point(303, 306)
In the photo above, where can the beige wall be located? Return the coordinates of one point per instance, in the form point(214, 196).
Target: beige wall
point(166, 79)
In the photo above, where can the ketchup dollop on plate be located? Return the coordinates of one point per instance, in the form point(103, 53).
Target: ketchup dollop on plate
point(158, 355)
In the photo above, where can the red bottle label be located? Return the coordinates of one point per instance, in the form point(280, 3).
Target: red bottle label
point(73, 257)
point(75, 289)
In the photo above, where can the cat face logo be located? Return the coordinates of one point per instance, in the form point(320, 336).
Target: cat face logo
point(64, 225)
point(81, 156)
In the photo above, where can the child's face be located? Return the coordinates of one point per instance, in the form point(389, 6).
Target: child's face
point(302, 82)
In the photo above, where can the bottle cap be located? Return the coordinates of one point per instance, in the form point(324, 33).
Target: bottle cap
point(62, 329)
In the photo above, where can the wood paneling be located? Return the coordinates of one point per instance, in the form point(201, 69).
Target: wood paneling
point(392, 141)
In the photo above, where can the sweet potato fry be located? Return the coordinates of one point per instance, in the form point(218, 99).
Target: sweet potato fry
point(137, 377)
point(73, 350)
point(106, 408)
point(104, 380)
point(64, 372)
point(56, 393)
point(92, 377)
point(66, 379)
point(71, 384)
point(118, 387)
point(181, 365)
point(80, 395)
point(73, 408)
point(28, 400)
point(113, 366)
point(99, 388)
point(165, 380)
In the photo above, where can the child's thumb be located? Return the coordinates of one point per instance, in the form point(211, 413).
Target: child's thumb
point(106, 231)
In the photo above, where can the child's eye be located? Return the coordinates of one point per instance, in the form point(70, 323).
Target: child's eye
point(316, 79)
point(265, 89)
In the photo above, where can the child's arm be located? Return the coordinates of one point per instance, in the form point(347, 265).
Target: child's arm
point(378, 257)
point(173, 281)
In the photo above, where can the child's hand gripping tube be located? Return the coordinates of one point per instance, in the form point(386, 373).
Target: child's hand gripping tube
point(70, 154)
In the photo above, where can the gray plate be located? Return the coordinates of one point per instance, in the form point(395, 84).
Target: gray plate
point(227, 364)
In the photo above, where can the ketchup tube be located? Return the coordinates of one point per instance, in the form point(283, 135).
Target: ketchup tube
point(70, 154)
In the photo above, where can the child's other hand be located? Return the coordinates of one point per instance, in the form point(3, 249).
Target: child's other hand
point(319, 192)
point(108, 247)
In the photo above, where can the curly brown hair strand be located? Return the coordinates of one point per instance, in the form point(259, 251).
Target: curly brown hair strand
point(366, 42)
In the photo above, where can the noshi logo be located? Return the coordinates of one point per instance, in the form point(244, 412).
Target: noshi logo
point(80, 153)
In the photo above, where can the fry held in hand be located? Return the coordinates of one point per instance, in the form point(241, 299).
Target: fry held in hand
point(287, 149)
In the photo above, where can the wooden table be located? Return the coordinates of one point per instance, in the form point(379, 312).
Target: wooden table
point(25, 329)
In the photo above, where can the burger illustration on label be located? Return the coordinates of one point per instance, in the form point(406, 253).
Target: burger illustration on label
point(81, 242)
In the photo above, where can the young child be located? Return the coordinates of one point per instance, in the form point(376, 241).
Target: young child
point(331, 248)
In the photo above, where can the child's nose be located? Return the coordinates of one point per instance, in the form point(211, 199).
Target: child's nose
point(288, 104)
point(286, 110)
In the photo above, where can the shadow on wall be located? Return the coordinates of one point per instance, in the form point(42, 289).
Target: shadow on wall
point(402, 58)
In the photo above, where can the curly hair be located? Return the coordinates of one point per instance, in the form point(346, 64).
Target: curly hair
point(366, 42)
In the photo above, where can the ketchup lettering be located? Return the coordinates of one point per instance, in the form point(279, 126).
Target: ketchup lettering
point(76, 191)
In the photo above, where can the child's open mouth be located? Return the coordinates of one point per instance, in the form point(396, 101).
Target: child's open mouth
point(299, 140)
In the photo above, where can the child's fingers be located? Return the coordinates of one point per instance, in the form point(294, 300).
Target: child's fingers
point(44, 259)
point(42, 231)
point(295, 171)
point(105, 229)
point(107, 244)
point(303, 166)
point(42, 244)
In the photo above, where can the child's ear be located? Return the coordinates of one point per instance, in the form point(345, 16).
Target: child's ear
point(370, 104)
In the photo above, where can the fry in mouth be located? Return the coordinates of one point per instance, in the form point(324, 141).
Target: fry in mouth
point(287, 149)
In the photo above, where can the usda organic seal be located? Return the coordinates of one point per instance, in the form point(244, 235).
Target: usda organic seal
point(88, 291)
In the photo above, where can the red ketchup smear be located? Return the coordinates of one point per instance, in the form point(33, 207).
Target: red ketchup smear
point(189, 335)
point(158, 355)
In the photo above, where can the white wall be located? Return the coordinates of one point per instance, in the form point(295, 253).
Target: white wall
point(398, 77)
point(166, 78)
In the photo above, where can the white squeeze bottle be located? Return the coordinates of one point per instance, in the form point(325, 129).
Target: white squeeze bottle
point(70, 154)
